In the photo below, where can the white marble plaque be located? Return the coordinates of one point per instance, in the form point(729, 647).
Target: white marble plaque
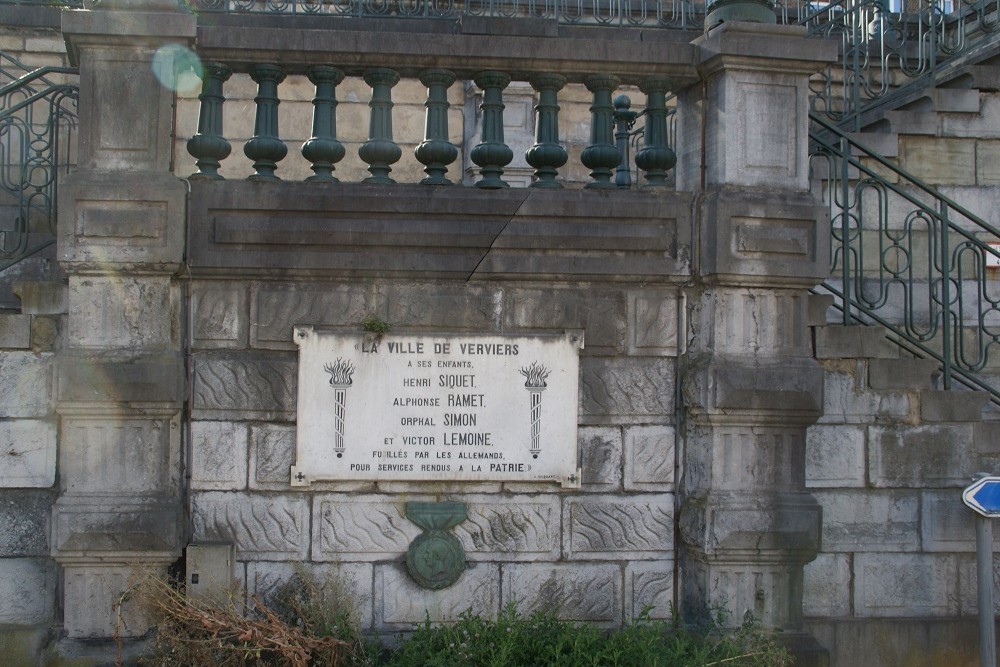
point(436, 407)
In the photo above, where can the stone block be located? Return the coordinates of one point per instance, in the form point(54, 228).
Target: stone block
point(725, 527)
point(24, 521)
point(733, 589)
point(277, 308)
point(117, 526)
point(939, 160)
point(952, 406)
point(272, 454)
point(793, 385)
point(987, 161)
point(15, 331)
point(463, 308)
point(630, 527)
point(744, 458)
point(649, 589)
point(846, 399)
point(840, 342)
point(750, 322)
point(45, 333)
point(26, 387)
point(220, 316)
point(90, 378)
point(946, 524)
point(649, 458)
point(826, 584)
point(122, 312)
point(626, 390)
point(652, 323)
point(510, 528)
point(899, 585)
point(91, 601)
point(342, 586)
point(600, 456)
point(817, 307)
point(835, 456)
point(27, 591)
point(42, 298)
point(360, 528)
point(968, 584)
point(583, 592)
point(244, 386)
point(27, 454)
point(105, 453)
point(901, 374)
point(263, 527)
point(870, 521)
point(920, 456)
point(218, 456)
point(600, 313)
point(400, 603)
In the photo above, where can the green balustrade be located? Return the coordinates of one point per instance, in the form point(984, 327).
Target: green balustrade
point(436, 152)
point(492, 154)
point(601, 156)
point(209, 147)
point(266, 149)
point(547, 155)
point(322, 149)
point(380, 152)
point(655, 158)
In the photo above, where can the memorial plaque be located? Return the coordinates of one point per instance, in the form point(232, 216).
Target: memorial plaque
point(436, 407)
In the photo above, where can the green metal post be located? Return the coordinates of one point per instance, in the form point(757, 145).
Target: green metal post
point(845, 226)
point(322, 149)
point(601, 156)
point(492, 154)
point(380, 151)
point(209, 147)
point(624, 122)
point(655, 158)
point(546, 155)
point(946, 352)
point(436, 152)
point(266, 149)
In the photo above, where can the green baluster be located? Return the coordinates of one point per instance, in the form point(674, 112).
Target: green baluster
point(436, 152)
point(322, 149)
point(266, 149)
point(546, 156)
point(380, 151)
point(655, 158)
point(601, 156)
point(491, 153)
point(209, 147)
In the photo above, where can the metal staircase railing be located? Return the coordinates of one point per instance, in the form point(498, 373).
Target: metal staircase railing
point(37, 124)
point(907, 257)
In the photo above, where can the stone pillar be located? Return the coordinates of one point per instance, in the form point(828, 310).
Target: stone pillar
point(750, 385)
point(120, 374)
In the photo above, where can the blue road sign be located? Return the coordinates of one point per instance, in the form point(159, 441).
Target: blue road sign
point(984, 496)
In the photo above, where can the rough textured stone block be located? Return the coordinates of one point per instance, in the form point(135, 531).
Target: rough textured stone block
point(751, 322)
point(24, 519)
point(649, 588)
point(25, 390)
point(760, 588)
point(126, 378)
point(27, 590)
point(626, 390)
point(842, 342)
point(272, 453)
point(219, 315)
point(870, 521)
point(15, 331)
point(42, 298)
point(244, 386)
point(341, 584)
point(263, 527)
point(600, 458)
point(952, 406)
point(27, 454)
point(510, 528)
point(968, 584)
point(91, 595)
point(902, 374)
point(888, 585)
point(835, 456)
point(276, 308)
point(946, 524)
point(465, 308)
point(363, 528)
point(939, 160)
point(919, 456)
point(574, 591)
point(848, 400)
point(600, 313)
point(652, 323)
point(121, 312)
point(649, 458)
point(400, 602)
point(826, 584)
point(632, 527)
point(218, 455)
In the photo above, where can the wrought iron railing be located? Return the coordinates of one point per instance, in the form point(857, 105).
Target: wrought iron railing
point(885, 44)
point(909, 258)
point(37, 122)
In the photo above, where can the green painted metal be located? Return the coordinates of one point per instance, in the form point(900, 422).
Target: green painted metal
point(435, 558)
point(751, 11)
point(436, 152)
point(380, 152)
point(624, 122)
point(547, 155)
point(655, 158)
point(210, 146)
point(601, 155)
point(492, 154)
point(323, 149)
point(265, 148)
point(910, 259)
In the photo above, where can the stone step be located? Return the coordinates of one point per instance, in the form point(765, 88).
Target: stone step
point(837, 341)
point(884, 143)
point(952, 406)
point(902, 374)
